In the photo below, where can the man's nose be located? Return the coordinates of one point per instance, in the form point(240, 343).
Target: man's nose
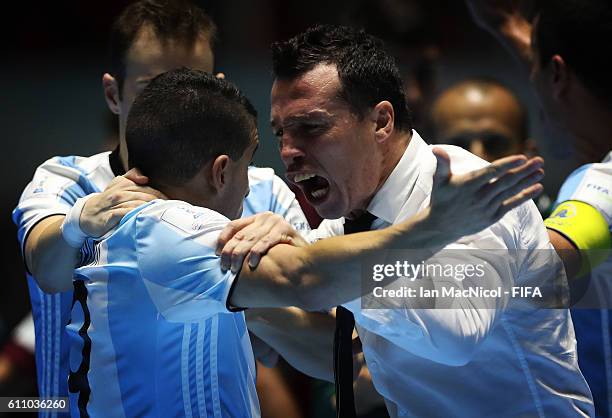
point(290, 151)
point(477, 148)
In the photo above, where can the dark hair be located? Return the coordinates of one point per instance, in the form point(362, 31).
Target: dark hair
point(580, 31)
point(368, 74)
point(178, 20)
point(183, 119)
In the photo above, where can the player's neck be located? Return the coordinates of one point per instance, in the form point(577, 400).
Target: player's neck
point(123, 155)
point(594, 137)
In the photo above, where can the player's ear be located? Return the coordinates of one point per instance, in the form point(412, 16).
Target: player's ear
point(560, 75)
point(383, 117)
point(111, 92)
point(219, 172)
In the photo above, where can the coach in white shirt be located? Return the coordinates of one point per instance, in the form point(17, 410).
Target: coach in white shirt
point(339, 111)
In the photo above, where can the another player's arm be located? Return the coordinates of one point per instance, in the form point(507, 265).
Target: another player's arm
point(51, 257)
point(507, 22)
point(304, 339)
point(581, 236)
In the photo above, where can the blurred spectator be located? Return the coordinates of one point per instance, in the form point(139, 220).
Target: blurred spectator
point(17, 365)
point(486, 118)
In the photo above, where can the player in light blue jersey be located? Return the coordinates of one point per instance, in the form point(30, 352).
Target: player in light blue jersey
point(562, 50)
point(582, 218)
point(156, 325)
point(146, 39)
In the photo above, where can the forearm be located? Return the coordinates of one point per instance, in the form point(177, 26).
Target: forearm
point(332, 271)
point(328, 273)
point(568, 253)
point(515, 35)
point(304, 339)
point(48, 257)
point(508, 24)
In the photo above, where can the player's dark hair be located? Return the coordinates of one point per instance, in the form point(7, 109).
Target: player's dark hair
point(581, 32)
point(182, 120)
point(171, 20)
point(368, 74)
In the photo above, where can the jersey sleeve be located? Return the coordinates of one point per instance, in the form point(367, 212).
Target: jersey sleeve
point(591, 184)
point(54, 189)
point(175, 246)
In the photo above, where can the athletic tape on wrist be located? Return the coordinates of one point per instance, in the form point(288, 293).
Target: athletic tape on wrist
point(586, 228)
point(71, 228)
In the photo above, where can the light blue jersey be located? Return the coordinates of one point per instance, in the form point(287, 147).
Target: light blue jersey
point(56, 186)
point(153, 335)
point(592, 184)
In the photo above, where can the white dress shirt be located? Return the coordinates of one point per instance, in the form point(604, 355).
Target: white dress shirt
point(469, 362)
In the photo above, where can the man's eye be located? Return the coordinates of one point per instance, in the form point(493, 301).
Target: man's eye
point(279, 133)
point(314, 129)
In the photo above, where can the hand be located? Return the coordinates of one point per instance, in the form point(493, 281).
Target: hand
point(253, 237)
point(463, 204)
point(507, 21)
point(493, 14)
point(102, 212)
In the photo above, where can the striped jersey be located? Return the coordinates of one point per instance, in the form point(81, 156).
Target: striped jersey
point(151, 331)
point(54, 189)
point(592, 184)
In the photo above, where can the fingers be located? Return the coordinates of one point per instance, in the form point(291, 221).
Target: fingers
point(518, 199)
point(220, 75)
point(115, 216)
point(260, 231)
point(531, 170)
point(252, 237)
point(442, 173)
point(136, 176)
point(119, 198)
point(497, 168)
point(121, 183)
point(275, 237)
point(515, 189)
point(231, 229)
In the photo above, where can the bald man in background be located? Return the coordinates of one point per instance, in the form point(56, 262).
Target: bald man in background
point(482, 116)
point(486, 118)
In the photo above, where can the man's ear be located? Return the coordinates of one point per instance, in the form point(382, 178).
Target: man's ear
point(219, 173)
point(111, 92)
point(560, 76)
point(384, 119)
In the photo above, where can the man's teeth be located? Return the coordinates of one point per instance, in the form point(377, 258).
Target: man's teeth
point(319, 193)
point(301, 177)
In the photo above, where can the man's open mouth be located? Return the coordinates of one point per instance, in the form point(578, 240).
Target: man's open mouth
point(316, 188)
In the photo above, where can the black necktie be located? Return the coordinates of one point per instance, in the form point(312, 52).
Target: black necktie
point(343, 338)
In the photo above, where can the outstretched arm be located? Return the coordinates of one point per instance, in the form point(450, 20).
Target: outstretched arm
point(327, 273)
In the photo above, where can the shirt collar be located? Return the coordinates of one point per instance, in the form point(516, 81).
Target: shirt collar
point(393, 195)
